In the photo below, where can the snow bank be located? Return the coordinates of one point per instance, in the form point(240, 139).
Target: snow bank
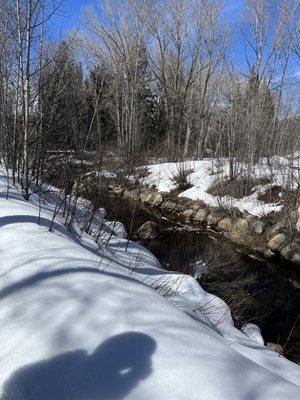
point(207, 171)
point(79, 321)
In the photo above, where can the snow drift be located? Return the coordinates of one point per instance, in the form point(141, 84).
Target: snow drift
point(81, 321)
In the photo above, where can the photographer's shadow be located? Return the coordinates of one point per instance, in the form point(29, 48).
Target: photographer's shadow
point(109, 373)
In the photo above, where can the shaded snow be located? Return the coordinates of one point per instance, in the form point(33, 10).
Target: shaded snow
point(81, 321)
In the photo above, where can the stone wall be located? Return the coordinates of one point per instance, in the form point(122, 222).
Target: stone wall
point(252, 233)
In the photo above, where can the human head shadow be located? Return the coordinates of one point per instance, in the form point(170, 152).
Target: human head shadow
point(109, 373)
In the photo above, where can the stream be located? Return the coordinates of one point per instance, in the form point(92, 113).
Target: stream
point(256, 291)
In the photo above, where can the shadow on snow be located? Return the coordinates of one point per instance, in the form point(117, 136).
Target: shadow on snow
point(109, 373)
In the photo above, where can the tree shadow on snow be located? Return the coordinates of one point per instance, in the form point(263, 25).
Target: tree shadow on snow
point(109, 373)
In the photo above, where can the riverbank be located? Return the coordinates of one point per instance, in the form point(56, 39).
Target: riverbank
point(255, 235)
point(91, 315)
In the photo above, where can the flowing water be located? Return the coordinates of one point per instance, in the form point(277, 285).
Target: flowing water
point(256, 290)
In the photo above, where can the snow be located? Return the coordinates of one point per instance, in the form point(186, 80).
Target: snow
point(253, 332)
point(207, 171)
point(81, 320)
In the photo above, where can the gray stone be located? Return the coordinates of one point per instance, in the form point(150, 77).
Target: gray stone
point(188, 214)
point(297, 238)
point(287, 252)
point(241, 226)
point(296, 257)
point(169, 205)
point(201, 215)
point(148, 231)
point(292, 252)
point(225, 224)
point(157, 200)
point(249, 217)
point(274, 230)
point(278, 242)
point(258, 227)
point(145, 197)
point(269, 253)
point(151, 198)
point(198, 205)
point(214, 218)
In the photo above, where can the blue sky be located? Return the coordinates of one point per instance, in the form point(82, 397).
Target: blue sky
point(72, 10)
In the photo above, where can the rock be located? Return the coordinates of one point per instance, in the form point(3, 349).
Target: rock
point(131, 194)
point(225, 224)
point(278, 242)
point(297, 238)
point(258, 227)
point(146, 197)
point(269, 253)
point(148, 231)
point(253, 332)
point(185, 202)
point(169, 206)
point(188, 214)
point(292, 252)
point(198, 205)
point(201, 215)
point(296, 257)
point(180, 208)
point(274, 230)
point(275, 347)
point(151, 198)
point(157, 200)
point(249, 217)
point(287, 252)
point(214, 218)
point(241, 226)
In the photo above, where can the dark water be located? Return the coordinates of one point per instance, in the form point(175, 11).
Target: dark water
point(257, 291)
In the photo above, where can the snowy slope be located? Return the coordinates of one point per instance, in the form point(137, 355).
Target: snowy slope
point(79, 322)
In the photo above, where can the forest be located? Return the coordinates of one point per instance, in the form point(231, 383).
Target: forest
point(145, 79)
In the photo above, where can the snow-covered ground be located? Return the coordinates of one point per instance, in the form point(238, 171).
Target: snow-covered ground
point(206, 172)
point(81, 320)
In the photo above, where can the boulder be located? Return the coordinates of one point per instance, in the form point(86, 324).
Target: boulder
point(169, 206)
point(201, 215)
point(287, 252)
point(146, 197)
point(214, 218)
point(225, 224)
point(249, 217)
point(198, 205)
point(188, 214)
point(241, 226)
point(185, 202)
point(292, 252)
point(157, 200)
point(258, 227)
point(148, 231)
point(269, 253)
point(296, 256)
point(297, 238)
point(153, 199)
point(274, 230)
point(278, 242)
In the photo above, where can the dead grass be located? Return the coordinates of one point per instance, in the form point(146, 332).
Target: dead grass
point(238, 188)
point(271, 195)
point(181, 179)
